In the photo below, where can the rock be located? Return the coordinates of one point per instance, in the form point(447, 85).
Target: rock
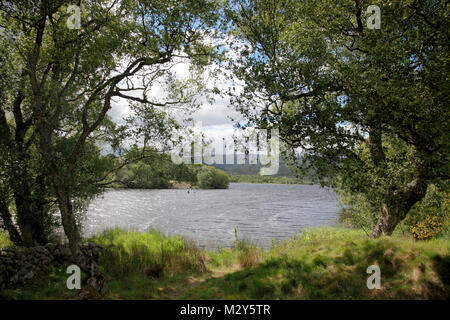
point(14, 279)
point(95, 288)
point(18, 265)
point(27, 265)
point(66, 251)
point(29, 275)
point(39, 249)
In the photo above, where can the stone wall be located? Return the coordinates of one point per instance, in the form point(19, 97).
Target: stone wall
point(18, 265)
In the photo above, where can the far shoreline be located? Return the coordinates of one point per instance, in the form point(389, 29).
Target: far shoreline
point(184, 186)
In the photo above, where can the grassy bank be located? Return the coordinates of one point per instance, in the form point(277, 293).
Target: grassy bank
point(326, 263)
point(249, 178)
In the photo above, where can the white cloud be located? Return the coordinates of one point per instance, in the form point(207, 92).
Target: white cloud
point(217, 118)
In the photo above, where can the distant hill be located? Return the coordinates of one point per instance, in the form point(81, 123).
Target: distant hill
point(232, 167)
point(251, 169)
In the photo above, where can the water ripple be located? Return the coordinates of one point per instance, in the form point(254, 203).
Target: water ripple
point(260, 212)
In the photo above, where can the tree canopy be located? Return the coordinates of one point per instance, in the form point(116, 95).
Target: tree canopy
point(364, 109)
point(367, 108)
point(58, 82)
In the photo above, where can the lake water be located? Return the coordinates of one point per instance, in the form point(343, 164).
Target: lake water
point(260, 212)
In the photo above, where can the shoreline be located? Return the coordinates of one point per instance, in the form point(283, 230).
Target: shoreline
point(187, 186)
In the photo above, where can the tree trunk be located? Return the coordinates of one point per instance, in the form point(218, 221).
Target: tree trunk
point(397, 205)
point(67, 217)
point(30, 213)
point(59, 181)
point(85, 262)
point(8, 224)
point(24, 219)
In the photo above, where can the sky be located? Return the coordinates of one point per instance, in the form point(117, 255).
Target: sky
point(216, 119)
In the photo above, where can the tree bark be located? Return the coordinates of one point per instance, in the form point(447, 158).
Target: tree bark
point(397, 205)
point(22, 198)
point(8, 224)
point(85, 262)
point(67, 216)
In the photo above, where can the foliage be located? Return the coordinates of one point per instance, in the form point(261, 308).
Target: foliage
point(58, 85)
point(153, 172)
point(356, 212)
point(157, 171)
point(428, 218)
point(253, 169)
point(247, 178)
point(429, 227)
point(212, 178)
point(362, 191)
point(367, 109)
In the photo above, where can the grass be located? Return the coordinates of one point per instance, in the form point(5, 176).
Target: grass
point(324, 263)
point(151, 254)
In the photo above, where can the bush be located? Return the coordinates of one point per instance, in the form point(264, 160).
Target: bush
point(356, 211)
point(155, 172)
point(212, 178)
point(428, 218)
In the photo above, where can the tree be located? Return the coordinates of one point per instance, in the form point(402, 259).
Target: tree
point(153, 172)
point(212, 178)
point(22, 186)
point(353, 100)
point(61, 83)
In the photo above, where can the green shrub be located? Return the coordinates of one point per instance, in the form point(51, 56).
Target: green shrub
point(430, 217)
point(155, 172)
point(212, 178)
point(427, 219)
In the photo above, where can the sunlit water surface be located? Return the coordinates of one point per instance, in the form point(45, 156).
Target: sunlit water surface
point(260, 212)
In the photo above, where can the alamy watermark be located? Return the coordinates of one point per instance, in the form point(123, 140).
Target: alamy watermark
point(256, 145)
point(374, 281)
point(74, 20)
point(374, 17)
point(74, 280)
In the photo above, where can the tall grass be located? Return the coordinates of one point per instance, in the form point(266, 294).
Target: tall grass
point(248, 253)
point(319, 263)
point(331, 263)
point(152, 254)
